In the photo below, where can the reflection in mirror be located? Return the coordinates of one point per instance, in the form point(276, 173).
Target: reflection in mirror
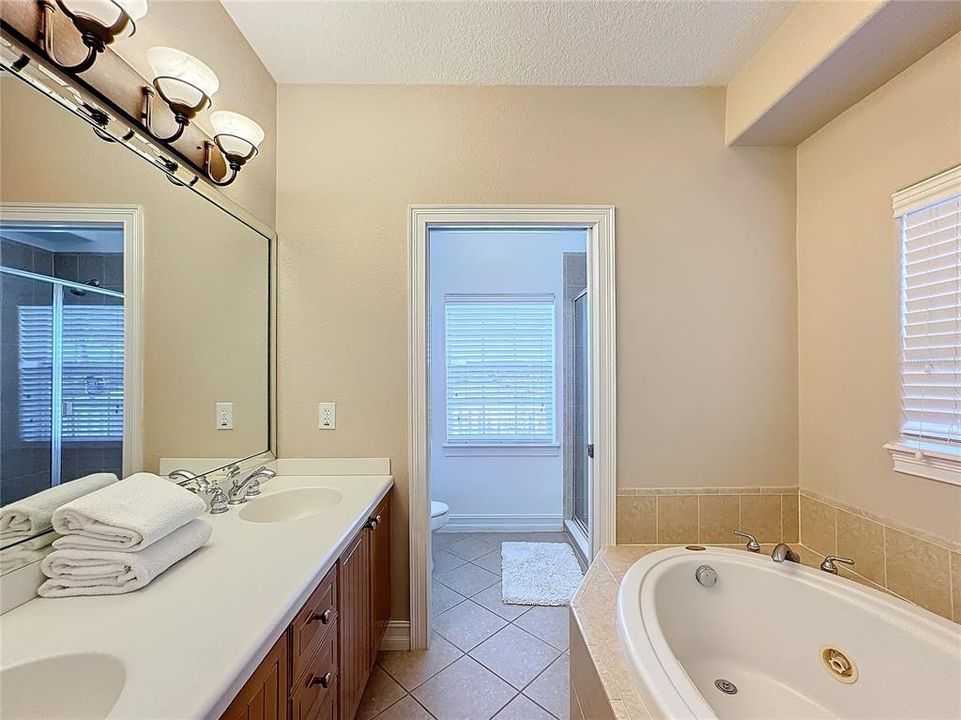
point(134, 321)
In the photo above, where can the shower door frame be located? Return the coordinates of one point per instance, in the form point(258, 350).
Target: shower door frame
point(578, 529)
point(130, 217)
point(598, 222)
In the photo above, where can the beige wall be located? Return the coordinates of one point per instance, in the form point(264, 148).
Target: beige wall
point(706, 296)
point(847, 241)
point(203, 28)
point(205, 277)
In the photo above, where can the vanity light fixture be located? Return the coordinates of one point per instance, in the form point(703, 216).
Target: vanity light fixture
point(99, 22)
point(237, 137)
point(184, 83)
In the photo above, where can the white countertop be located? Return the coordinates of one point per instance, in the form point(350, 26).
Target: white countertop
point(191, 639)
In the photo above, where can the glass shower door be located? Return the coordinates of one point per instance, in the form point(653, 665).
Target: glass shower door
point(582, 492)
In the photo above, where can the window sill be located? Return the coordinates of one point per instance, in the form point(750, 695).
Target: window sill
point(502, 450)
point(941, 467)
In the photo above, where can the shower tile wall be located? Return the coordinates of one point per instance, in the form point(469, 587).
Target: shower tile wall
point(575, 280)
point(26, 466)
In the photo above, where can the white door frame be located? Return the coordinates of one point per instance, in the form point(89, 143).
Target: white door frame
point(598, 221)
point(131, 217)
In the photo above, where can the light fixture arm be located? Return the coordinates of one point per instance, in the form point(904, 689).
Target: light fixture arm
point(233, 164)
point(93, 44)
point(146, 118)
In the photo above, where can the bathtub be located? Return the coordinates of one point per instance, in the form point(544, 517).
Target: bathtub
point(795, 642)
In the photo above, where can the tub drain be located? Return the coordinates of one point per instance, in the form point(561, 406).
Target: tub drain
point(726, 686)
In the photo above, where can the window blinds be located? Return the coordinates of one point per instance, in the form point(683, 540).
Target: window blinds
point(931, 326)
point(500, 370)
point(92, 351)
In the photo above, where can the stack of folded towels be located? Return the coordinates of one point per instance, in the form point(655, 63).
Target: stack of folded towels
point(25, 530)
point(119, 538)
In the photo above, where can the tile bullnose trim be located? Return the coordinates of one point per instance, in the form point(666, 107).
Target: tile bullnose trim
point(717, 490)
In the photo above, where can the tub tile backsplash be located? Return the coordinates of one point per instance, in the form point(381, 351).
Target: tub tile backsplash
point(718, 516)
point(956, 585)
point(761, 516)
point(667, 516)
point(819, 526)
point(677, 519)
point(922, 570)
point(863, 539)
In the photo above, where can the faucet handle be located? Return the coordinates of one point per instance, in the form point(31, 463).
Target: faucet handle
point(218, 499)
point(752, 543)
point(828, 564)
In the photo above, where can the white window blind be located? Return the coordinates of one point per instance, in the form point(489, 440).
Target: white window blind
point(92, 350)
point(500, 370)
point(931, 327)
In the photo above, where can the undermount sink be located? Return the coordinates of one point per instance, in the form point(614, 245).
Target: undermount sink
point(83, 686)
point(289, 505)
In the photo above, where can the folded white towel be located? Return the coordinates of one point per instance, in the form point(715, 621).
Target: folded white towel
point(128, 515)
point(25, 552)
point(109, 572)
point(25, 518)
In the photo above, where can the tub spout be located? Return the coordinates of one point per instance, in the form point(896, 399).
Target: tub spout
point(784, 552)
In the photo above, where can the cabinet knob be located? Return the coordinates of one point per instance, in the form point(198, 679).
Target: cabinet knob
point(323, 680)
point(324, 617)
point(373, 523)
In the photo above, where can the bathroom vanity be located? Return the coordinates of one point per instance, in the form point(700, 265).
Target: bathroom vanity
point(280, 615)
point(318, 668)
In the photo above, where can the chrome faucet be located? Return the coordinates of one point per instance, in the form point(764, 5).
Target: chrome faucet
point(828, 565)
point(240, 490)
point(752, 543)
point(185, 478)
point(216, 494)
point(784, 552)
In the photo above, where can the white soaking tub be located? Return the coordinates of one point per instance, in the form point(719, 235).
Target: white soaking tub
point(771, 630)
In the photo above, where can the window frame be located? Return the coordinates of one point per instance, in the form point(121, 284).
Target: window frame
point(486, 448)
point(910, 457)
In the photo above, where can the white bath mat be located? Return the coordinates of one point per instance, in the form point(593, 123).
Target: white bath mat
point(539, 573)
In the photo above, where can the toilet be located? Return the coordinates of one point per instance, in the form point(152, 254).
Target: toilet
point(439, 512)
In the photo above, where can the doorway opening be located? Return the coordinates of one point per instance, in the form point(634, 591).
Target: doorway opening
point(512, 404)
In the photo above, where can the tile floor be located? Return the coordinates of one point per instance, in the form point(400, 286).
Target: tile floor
point(486, 659)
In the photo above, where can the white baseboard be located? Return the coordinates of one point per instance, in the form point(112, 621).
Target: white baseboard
point(504, 523)
point(397, 636)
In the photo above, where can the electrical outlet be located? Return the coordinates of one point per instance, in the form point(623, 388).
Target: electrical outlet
point(225, 416)
point(327, 412)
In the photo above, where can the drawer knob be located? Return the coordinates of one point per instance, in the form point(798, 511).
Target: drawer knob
point(324, 617)
point(323, 680)
point(373, 522)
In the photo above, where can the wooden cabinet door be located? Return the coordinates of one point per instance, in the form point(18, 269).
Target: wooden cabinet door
point(379, 577)
point(354, 623)
point(264, 696)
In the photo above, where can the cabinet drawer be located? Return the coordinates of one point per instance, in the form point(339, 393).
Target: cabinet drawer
point(313, 621)
point(314, 695)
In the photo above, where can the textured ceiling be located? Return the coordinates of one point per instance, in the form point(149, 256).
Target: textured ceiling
point(474, 42)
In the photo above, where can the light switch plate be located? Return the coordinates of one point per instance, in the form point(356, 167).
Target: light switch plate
point(225, 416)
point(327, 416)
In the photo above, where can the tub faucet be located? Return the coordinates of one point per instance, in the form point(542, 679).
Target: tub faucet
point(249, 486)
point(752, 543)
point(829, 566)
point(784, 552)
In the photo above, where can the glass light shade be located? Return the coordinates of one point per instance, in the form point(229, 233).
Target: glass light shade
point(181, 78)
point(106, 13)
point(236, 134)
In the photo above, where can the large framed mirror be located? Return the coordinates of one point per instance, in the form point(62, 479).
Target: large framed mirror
point(135, 317)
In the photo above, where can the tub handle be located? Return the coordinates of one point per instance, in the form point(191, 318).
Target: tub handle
point(829, 566)
point(752, 543)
